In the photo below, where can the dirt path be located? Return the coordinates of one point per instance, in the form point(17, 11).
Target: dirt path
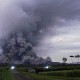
point(18, 76)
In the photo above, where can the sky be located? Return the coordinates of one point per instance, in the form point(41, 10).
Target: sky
point(53, 25)
point(64, 43)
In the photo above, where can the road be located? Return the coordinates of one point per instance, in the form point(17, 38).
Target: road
point(18, 76)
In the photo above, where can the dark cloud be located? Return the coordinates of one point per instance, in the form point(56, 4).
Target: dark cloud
point(36, 17)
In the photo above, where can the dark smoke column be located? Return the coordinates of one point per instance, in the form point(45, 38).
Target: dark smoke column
point(17, 46)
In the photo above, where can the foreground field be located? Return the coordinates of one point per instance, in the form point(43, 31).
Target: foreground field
point(5, 74)
point(54, 75)
point(42, 76)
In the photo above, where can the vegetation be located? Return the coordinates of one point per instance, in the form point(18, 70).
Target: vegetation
point(71, 56)
point(59, 73)
point(64, 59)
point(51, 76)
point(65, 73)
point(77, 56)
point(5, 74)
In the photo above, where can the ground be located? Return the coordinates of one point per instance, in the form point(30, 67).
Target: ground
point(18, 76)
point(55, 73)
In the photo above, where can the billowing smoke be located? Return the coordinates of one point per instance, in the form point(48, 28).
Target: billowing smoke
point(35, 17)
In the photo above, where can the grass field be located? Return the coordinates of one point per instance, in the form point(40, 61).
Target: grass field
point(54, 75)
point(43, 76)
point(5, 74)
point(57, 73)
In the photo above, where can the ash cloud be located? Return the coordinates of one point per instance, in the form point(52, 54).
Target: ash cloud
point(36, 17)
point(33, 15)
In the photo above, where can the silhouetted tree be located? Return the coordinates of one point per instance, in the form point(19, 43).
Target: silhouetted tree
point(71, 56)
point(77, 56)
point(64, 59)
point(48, 59)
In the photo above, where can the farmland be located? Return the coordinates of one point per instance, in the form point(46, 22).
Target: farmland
point(56, 73)
point(71, 72)
point(5, 74)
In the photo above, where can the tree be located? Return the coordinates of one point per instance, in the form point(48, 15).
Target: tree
point(71, 58)
point(64, 59)
point(48, 59)
point(77, 56)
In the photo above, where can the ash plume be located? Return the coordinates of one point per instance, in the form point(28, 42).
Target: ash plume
point(35, 17)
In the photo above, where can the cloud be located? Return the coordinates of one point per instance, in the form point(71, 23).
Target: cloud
point(64, 43)
point(29, 13)
point(45, 22)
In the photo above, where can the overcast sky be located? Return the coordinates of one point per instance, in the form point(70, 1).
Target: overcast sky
point(53, 24)
point(64, 43)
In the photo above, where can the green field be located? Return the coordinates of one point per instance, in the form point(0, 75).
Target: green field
point(47, 76)
point(70, 74)
point(54, 73)
point(5, 74)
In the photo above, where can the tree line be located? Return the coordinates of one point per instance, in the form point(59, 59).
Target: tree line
point(71, 56)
